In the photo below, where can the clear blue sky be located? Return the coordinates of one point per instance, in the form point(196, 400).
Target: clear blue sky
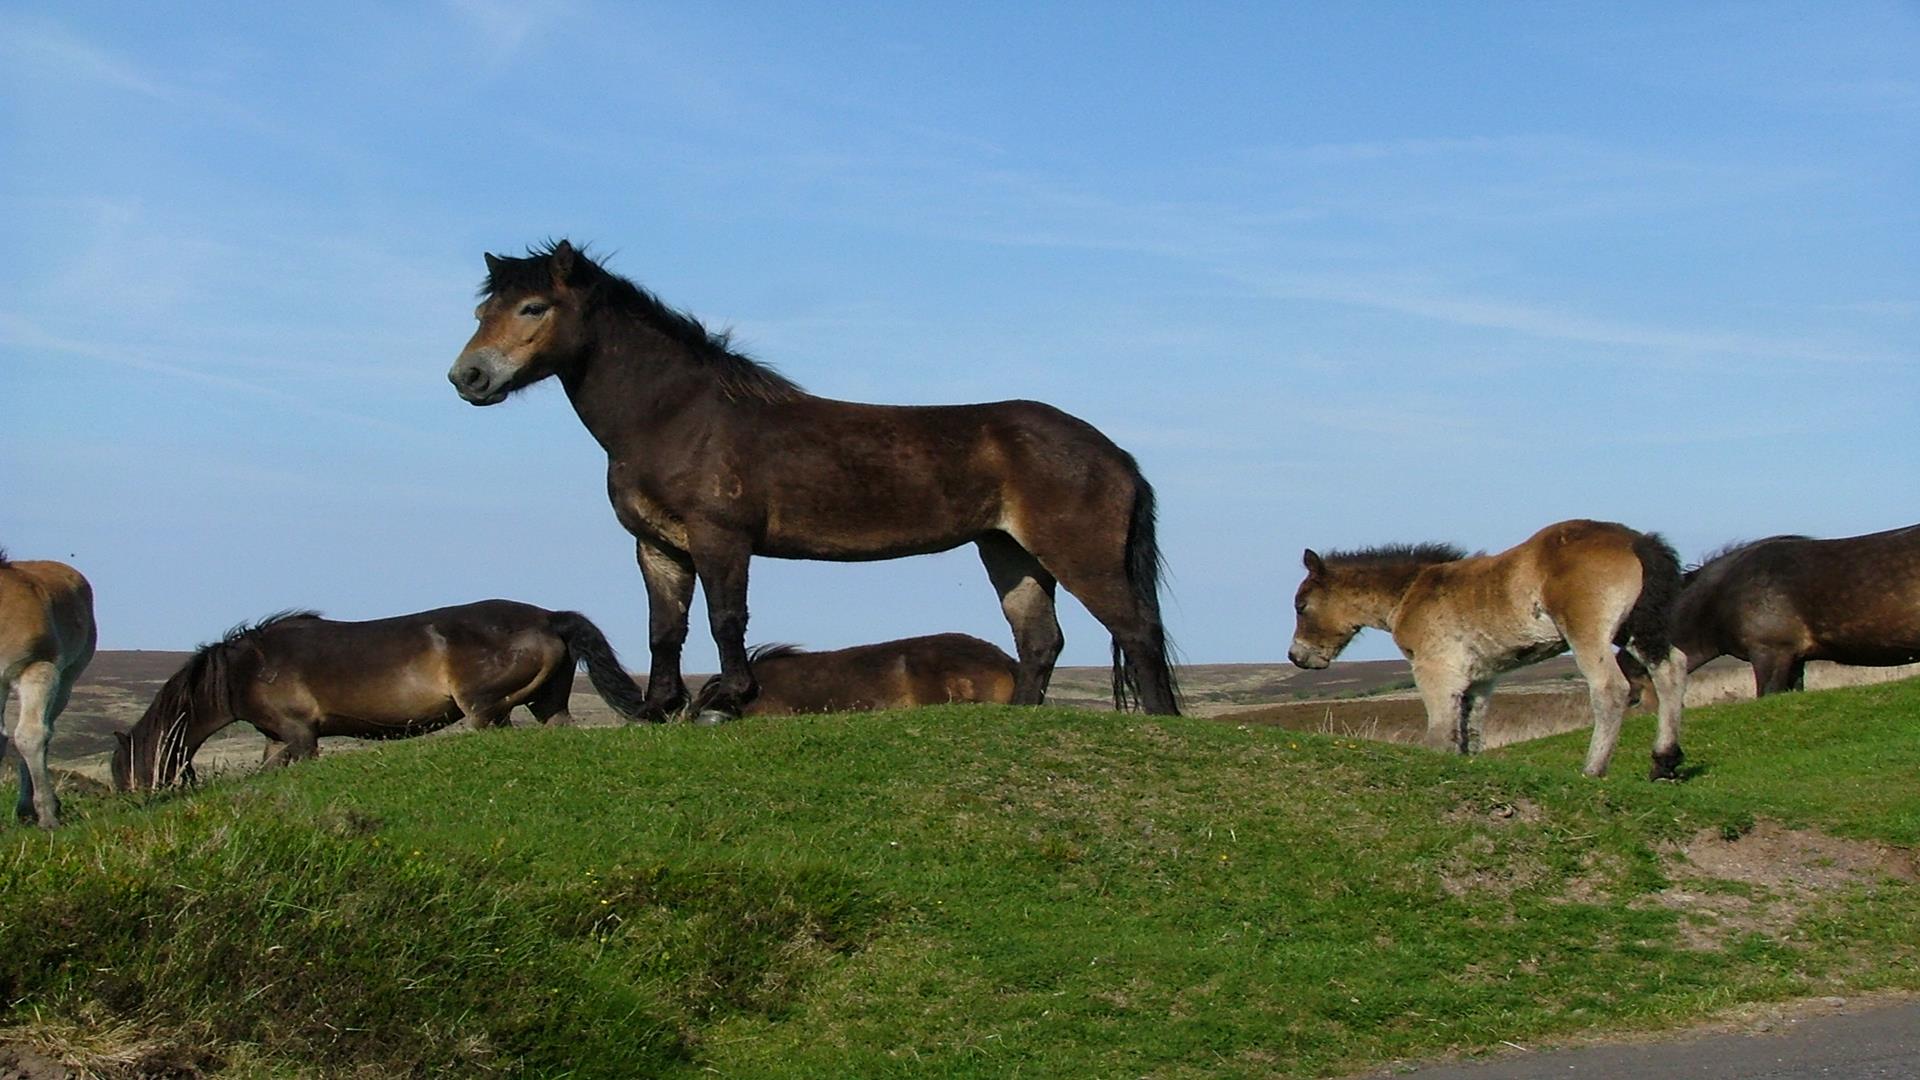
point(1336, 273)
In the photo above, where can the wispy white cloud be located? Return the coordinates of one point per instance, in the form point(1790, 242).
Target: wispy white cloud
point(18, 332)
point(1550, 323)
point(505, 27)
point(51, 51)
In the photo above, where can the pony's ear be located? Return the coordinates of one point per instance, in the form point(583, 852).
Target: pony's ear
point(562, 262)
point(493, 262)
point(123, 738)
point(1311, 561)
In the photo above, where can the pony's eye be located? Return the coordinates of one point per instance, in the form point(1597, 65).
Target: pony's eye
point(533, 309)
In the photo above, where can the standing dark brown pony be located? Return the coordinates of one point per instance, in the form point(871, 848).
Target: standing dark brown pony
point(1780, 602)
point(938, 669)
point(296, 677)
point(713, 458)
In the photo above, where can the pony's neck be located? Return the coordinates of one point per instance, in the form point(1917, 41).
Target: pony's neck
point(631, 381)
point(1383, 589)
point(199, 727)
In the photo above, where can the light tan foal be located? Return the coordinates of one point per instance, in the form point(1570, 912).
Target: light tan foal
point(47, 638)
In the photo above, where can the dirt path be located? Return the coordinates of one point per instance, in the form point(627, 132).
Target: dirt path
point(1828, 1038)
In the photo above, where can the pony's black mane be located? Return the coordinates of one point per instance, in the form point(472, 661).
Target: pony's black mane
point(739, 374)
point(1386, 554)
point(240, 630)
point(199, 686)
point(773, 650)
point(4, 561)
point(1736, 546)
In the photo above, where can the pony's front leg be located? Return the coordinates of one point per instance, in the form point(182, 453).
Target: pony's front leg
point(722, 566)
point(1473, 715)
point(1670, 685)
point(1444, 691)
point(669, 577)
point(289, 740)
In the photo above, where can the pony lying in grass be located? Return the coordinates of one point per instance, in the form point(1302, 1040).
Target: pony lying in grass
point(296, 677)
point(46, 640)
point(1464, 620)
point(1780, 602)
point(932, 670)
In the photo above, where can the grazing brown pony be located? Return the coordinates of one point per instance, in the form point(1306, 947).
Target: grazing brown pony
point(713, 458)
point(46, 639)
point(296, 677)
point(1464, 620)
point(933, 670)
point(1780, 602)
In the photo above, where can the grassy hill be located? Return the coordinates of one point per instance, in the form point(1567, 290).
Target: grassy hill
point(961, 891)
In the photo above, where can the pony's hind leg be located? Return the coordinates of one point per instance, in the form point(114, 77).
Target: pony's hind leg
point(1776, 671)
point(549, 703)
point(1607, 693)
point(1097, 577)
point(41, 696)
point(1027, 599)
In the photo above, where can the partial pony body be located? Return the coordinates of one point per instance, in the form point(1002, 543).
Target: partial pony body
point(1463, 621)
point(47, 638)
point(934, 670)
point(714, 458)
point(297, 677)
point(1783, 601)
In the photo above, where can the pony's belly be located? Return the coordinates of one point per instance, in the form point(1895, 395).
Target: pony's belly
point(1539, 640)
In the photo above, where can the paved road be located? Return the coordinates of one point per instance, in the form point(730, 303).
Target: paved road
point(1873, 1043)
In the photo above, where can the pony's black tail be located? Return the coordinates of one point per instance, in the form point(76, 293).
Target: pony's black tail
point(1648, 628)
point(1145, 573)
point(611, 681)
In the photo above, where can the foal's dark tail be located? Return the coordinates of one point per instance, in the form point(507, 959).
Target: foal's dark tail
point(1145, 574)
point(585, 641)
point(1649, 626)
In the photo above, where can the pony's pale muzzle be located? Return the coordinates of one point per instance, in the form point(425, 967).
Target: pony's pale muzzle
point(479, 377)
point(1309, 657)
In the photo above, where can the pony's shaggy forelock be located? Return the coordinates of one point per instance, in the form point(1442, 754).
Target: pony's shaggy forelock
point(740, 375)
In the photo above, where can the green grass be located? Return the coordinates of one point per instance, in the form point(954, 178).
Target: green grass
point(943, 892)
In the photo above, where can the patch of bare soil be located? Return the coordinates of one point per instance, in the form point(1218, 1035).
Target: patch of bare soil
point(20, 1063)
point(140, 1060)
point(1764, 879)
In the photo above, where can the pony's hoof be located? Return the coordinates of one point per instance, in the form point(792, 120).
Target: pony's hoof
point(1667, 766)
point(713, 718)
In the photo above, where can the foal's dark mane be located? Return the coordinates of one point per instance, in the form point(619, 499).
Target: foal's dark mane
point(740, 375)
point(1390, 554)
point(4, 561)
